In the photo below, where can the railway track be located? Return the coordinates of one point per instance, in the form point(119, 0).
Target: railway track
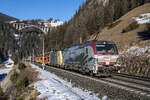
point(132, 77)
point(139, 86)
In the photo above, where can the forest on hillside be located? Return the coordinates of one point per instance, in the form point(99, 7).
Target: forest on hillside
point(7, 40)
point(91, 17)
point(18, 48)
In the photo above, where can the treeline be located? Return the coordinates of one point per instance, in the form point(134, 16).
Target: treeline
point(91, 17)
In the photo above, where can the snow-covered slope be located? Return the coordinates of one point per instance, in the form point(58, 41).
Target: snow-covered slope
point(54, 88)
point(140, 14)
point(137, 51)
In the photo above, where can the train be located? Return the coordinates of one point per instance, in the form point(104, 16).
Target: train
point(98, 58)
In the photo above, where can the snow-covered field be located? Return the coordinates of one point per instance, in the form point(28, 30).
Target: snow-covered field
point(144, 18)
point(54, 88)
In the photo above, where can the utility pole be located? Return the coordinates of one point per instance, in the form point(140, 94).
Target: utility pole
point(30, 58)
point(33, 55)
point(56, 43)
point(43, 55)
point(80, 39)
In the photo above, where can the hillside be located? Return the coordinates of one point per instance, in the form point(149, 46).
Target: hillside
point(131, 33)
point(140, 36)
point(4, 18)
point(7, 40)
point(90, 19)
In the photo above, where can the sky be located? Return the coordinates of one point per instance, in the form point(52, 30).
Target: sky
point(40, 9)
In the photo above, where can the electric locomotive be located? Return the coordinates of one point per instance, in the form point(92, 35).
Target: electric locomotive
point(95, 57)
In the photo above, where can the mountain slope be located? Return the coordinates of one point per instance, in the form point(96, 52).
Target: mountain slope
point(133, 37)
point(5, 18)
point(91, 18)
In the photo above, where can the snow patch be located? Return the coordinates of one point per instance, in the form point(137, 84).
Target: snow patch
point(5, 71)
point(9, 64)
point(16, 36)
point(55, 88)
point(137, 50)
point(144, 18)
point(104, 98)
point(57, 23)
point(53, 23)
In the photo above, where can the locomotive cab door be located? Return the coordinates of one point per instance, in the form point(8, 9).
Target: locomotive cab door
point(91, 59)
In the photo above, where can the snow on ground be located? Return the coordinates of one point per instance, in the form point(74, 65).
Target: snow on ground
point(135, 50)
point(9, 64)
point(55, 88)
point(144, 18)
point(5, 71)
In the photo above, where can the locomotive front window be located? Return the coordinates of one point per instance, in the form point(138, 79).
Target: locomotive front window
point(106, 48)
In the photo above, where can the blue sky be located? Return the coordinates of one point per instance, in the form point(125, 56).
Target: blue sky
point(40, 9)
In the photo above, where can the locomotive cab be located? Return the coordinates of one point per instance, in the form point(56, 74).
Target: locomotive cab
point(106, 56)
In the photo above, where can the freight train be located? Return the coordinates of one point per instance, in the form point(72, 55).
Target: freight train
point(93, 57)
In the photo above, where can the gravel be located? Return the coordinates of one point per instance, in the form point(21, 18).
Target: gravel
point(99, 88)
